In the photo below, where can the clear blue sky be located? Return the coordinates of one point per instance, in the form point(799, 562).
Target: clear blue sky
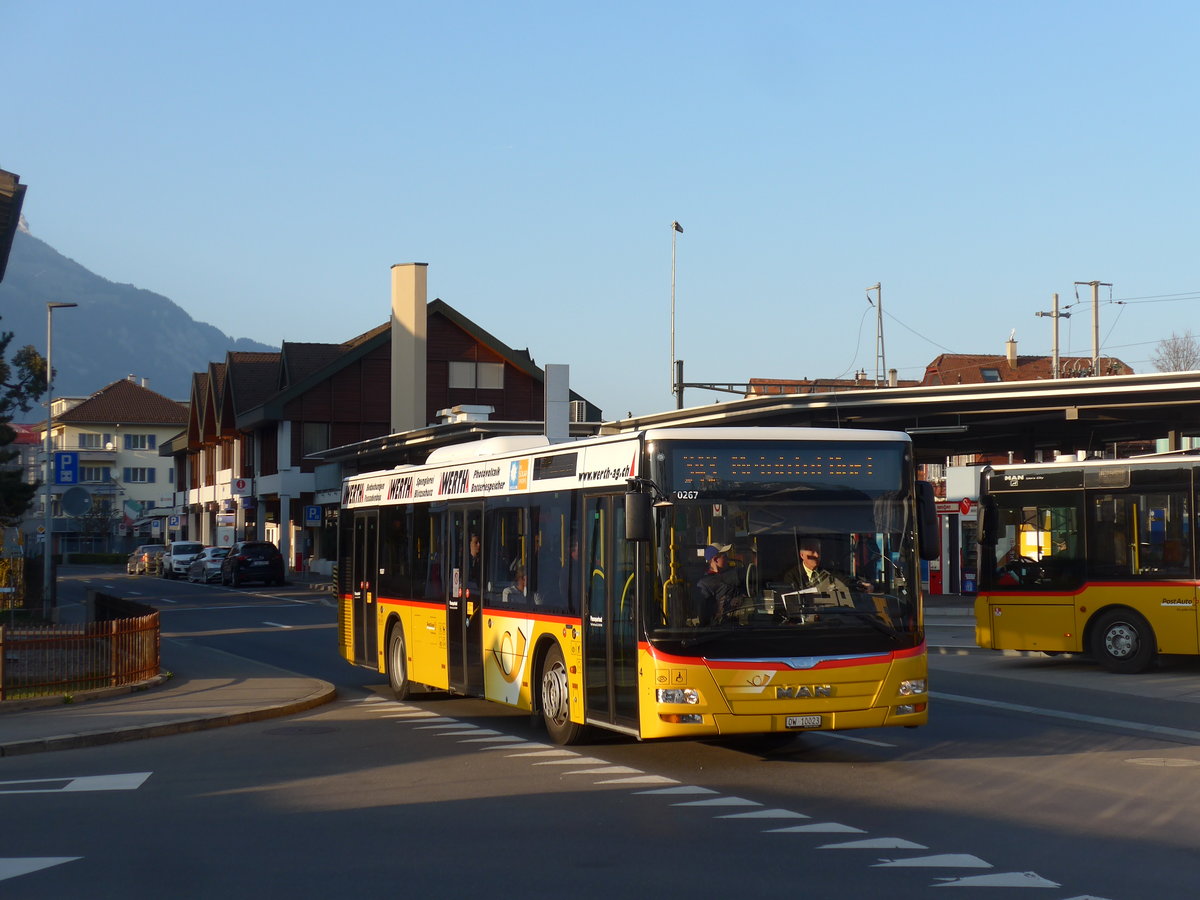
point(263, 164)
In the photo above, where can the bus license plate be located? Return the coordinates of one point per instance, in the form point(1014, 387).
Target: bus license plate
point(803, 721)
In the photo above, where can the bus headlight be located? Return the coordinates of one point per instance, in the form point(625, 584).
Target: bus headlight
point(912, 686)
point(677, 695)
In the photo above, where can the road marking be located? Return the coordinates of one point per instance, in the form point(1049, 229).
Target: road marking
point(1072, 717)
point(11, 867)
point(766, 814)
point(837, 735)
point(127, 782)
point(720, 801)
point(940, 861)
point(277, 625)
point(818, 828)
point(1002, 879)
point(886, 843)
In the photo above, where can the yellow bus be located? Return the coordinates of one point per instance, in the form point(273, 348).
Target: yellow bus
point(571, 579)
point(1094, 557)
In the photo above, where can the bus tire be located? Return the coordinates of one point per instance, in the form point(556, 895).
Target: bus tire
point(555, 699)
point(1123, 642)
point(397, 663)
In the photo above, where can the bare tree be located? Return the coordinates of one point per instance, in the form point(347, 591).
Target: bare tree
point(1178, 353)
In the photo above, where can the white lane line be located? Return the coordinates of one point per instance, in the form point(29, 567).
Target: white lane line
point(129, 781)
point(1003, 879)
point(11, 867)
point(640, 779)
point(548, 753)
point(766, 814)
point(886, 843)
point(607, 770)
point(516, 746)
point(277, 625)
point(682, 790)
point(438, 724)
point(574, 761)
point(940, 861)
point(720, 801)
point(818, 828)
point(501, 738)
point(1072, 717)
point(839, 736)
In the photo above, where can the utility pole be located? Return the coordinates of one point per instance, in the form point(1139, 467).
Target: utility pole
point(1095, 322)
point(880, 356)
point(1055, 315)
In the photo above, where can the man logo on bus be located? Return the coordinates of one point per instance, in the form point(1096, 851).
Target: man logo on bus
point(796, 691)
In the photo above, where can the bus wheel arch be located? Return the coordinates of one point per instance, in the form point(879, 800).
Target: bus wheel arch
point(554, 695)
point(1121, 640)
point(396, 660)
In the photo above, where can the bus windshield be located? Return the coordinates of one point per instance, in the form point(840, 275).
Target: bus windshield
point(817, 562)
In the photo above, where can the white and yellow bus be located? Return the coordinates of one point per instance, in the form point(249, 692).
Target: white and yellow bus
point(564, 579)
point(1093, 557)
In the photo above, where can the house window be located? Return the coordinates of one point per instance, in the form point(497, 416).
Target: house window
point(314, 437)
point(139, 442)
point(136, 475)
point(990, 374)
point(93, 474)
point(487, 376)
point(92, 441)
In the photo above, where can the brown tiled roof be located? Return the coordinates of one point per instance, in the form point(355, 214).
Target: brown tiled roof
point(761, 386)
point(126, 402)
point(299, 360)
point(965, 368)
point(251, 378)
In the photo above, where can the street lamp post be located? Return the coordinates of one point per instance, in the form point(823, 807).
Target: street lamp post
point(48, 593)
point(676, 388)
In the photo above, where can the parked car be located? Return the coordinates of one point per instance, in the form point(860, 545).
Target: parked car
point(141, 560)
point(252, 561)
point(177, 556)
point(206, 565)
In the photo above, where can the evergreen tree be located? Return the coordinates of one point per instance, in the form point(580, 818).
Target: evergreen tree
point(22, 382)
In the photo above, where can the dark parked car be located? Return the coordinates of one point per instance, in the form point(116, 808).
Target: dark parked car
point(252, 561)
point(141, 561)
point(206, 565)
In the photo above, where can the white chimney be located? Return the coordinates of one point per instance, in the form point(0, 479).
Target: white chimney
point(1010, 348)
point(409, 335)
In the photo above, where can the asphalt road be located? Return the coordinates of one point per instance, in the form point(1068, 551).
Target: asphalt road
point(1035, 775)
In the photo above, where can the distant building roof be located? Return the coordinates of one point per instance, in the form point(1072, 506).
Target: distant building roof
point(764, 386)
point(965, 368)
point(126, 402)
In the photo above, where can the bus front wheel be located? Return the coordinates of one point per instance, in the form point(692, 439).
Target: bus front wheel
point(397, 663)
point(556, 700)
point(1123, 642)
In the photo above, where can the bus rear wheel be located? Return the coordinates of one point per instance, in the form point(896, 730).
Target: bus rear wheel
point(397, 663)
point(556, 700)
point(1123, 642)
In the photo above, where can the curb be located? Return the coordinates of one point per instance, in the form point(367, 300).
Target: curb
point(326, 693)
point(14, 706)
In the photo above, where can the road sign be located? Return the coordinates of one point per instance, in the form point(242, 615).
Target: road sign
point(312, 515)
point(66, 467)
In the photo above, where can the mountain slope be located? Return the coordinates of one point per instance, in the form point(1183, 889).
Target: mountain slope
point(118, 329)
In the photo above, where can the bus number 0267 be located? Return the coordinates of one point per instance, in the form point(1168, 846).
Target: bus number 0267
point(687, 495)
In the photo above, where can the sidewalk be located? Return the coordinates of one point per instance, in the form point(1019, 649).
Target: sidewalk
point(206, 688)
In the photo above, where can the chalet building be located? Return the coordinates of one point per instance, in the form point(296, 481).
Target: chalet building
point(245, 467)
point(113, 438)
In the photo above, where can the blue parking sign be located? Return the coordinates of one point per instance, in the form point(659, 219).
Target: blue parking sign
point(312, 515)
point(66, 467)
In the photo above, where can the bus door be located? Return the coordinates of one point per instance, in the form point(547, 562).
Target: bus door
point(464, 613)
point(609, 614)
point(364, 579)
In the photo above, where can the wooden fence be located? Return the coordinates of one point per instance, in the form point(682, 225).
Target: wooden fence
point(37, 661)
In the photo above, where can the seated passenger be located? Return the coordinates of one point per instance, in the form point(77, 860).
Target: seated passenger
point(718, 590)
